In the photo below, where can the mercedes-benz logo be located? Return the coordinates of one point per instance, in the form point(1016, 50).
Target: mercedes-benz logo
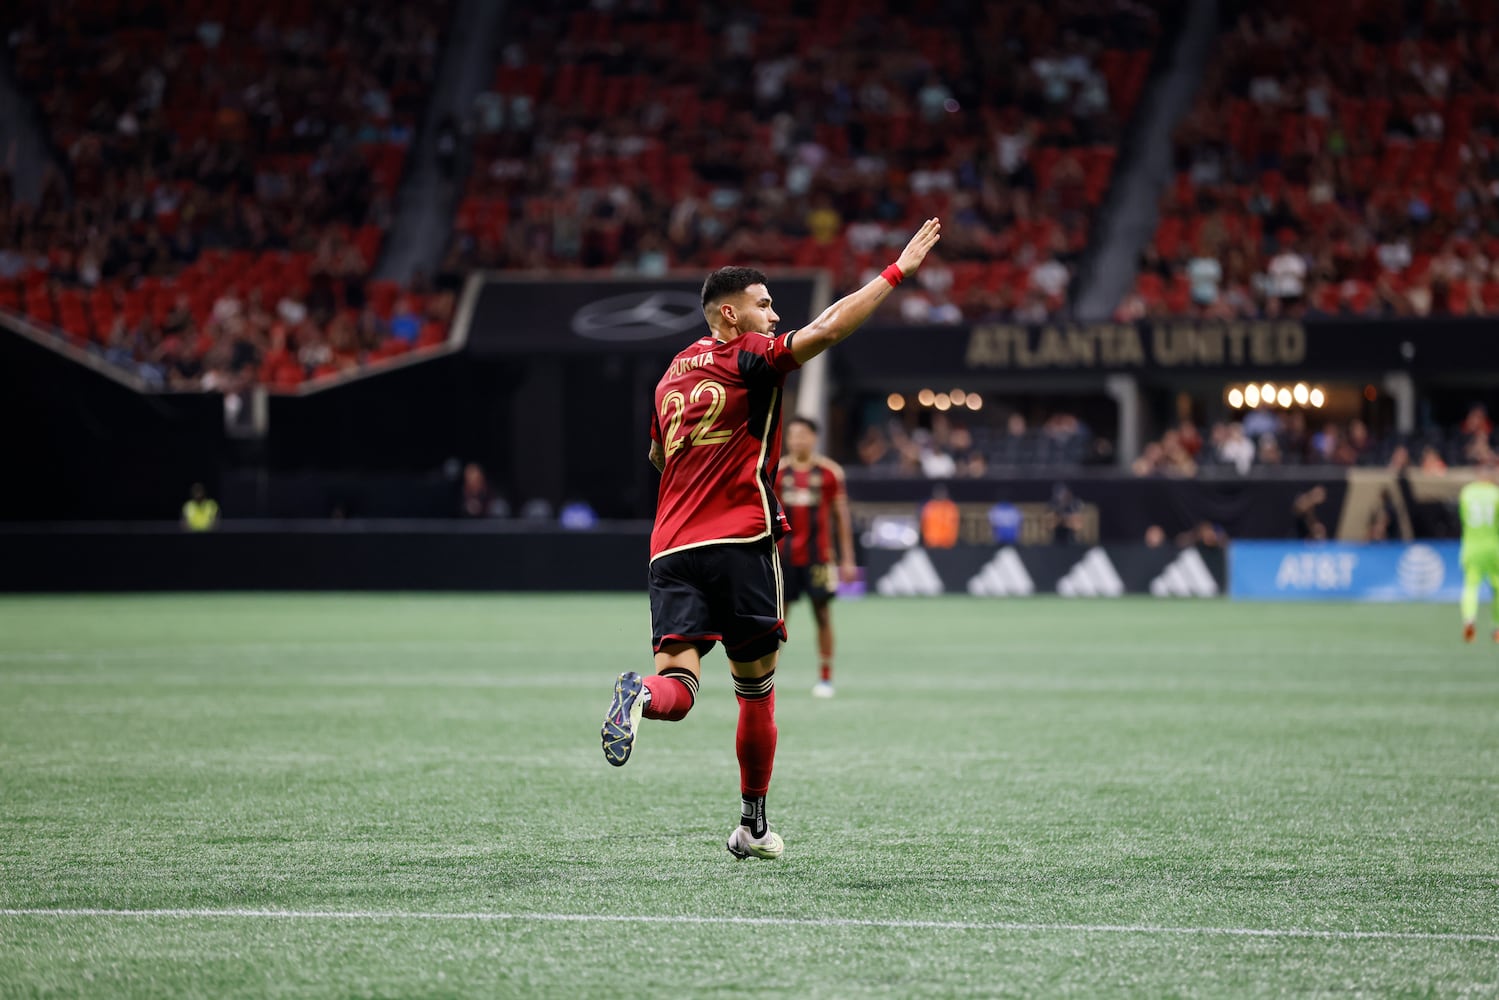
point(638, 316)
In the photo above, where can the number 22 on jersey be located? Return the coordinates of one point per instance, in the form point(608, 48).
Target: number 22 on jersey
point(674, 409)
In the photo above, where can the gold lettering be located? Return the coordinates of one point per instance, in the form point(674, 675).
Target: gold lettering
point(683, 365)
point(1052, 350)
point(1130, 350)
point(1290, 342)
point(1082, 343)
point(1261, 344)
point(992, 346)
point(1161, 345)
point(1234, 334)
point(1209, 346)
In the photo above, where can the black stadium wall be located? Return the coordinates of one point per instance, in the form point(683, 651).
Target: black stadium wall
point(375, 556)
point(323, 556)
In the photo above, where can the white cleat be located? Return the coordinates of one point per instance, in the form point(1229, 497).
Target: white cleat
point(822, 689)
point(767, 848)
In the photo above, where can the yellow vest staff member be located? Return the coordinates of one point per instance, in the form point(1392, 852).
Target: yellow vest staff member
point(200, 513)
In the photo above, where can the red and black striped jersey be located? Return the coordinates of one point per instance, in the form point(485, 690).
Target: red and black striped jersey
point(808, 494)
point(718, 419)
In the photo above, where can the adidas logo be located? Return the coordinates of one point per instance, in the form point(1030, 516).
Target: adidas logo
point(1186, 576)
point(1093, 576)
point(1002, 576)
point(912, 576)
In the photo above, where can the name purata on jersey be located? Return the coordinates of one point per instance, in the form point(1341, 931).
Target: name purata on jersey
point(682, 366)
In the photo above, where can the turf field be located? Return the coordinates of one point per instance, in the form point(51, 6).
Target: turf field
point(403, 796)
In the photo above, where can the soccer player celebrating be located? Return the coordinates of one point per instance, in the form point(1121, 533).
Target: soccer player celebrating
point(714, 575)
point(811, 487)
point(1479, 504)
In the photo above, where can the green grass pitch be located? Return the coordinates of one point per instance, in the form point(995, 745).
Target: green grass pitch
point(1026, 798)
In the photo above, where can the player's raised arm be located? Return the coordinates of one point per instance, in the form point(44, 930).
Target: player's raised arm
point(846, 315)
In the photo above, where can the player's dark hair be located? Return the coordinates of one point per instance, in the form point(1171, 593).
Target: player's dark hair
point(727, 281)
point(811, 424)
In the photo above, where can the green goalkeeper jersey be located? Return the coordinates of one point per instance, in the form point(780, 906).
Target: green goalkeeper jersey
point(1479, 504)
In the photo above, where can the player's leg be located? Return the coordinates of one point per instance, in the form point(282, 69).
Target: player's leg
point(671, 691)
point(1472, 578)
point(753, 629)
point(1493, 575)
point(755, 746)
point(822, 612)
point(681, 635)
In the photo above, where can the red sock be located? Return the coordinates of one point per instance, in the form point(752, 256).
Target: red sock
point(825, 651)
point(672, 694)
point(755, 743)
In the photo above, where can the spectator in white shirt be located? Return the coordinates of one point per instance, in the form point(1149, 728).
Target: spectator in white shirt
point(1237, 450)
point(1287, 275)
point(1204, 274)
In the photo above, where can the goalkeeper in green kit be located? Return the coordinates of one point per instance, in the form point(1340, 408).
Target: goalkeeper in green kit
point(1479, 504)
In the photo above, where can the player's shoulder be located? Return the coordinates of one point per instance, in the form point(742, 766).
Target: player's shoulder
point(754, 342)
point(704, 343)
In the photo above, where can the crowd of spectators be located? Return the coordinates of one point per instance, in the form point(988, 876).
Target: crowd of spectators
point(1341, 159)
point(655, 134)
point(228, 176)
point(946, 448)
point(1270, 438)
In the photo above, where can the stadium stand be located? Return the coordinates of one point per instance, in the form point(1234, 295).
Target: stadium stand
point(805, 135)
point(229, 175)
point(1341, 159)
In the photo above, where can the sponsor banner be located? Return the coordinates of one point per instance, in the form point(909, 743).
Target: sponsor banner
point(1341, 571)
point(528, 315)
point(1068, 570)
point(1251, 347)
point(1244, 507)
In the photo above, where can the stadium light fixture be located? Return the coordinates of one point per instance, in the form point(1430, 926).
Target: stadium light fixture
point(1251, 396)
point(957, 396)
point(926, 397)
point(1267, 392)
point(896, 402)
point(1236, 398)
point(1283, 397)
point(1300, 393)
point(974, 401)
point(943, 402)
point(1318, 397)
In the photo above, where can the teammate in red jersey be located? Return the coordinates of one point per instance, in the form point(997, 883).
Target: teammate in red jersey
point(714, 573)
point(811, 487)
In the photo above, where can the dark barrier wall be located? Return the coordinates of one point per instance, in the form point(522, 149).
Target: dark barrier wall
point(323, 557)
point(79, 445)
point(290, 556)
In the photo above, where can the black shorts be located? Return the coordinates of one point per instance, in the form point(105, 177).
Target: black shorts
point(728, 592)
point(819, 581)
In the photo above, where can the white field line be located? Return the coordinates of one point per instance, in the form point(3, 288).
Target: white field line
point(607, 918)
